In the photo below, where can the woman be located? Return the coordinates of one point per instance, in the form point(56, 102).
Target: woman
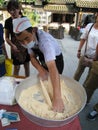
point(18, 53)
point(90, 36)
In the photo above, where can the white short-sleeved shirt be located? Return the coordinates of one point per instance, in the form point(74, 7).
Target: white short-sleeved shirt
point(92, 40)
point(48, 45)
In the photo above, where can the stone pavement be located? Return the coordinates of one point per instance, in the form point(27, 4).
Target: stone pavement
point(69, 48)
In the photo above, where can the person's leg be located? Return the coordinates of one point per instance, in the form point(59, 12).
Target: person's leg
point(91, 85)
point(27, 69)
point(87, 76)
point(16, 70)
point(80, 70)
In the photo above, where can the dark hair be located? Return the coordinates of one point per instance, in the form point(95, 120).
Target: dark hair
point(13, 4)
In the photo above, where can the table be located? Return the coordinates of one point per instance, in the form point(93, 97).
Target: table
point(26, 124)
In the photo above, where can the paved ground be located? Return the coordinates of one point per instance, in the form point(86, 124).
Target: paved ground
point(69, 48)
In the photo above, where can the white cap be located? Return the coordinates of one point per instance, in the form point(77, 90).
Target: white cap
point(21, 24)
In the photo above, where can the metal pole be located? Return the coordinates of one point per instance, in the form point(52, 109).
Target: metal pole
point(77, 17)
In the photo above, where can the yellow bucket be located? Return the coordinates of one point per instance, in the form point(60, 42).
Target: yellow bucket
point(9, 67)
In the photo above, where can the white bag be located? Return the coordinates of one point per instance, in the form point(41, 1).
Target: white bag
point(7, 90)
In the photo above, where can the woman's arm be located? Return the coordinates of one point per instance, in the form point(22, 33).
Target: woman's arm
point(7, 35)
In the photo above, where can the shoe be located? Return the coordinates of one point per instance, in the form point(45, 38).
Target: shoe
point(92, 115)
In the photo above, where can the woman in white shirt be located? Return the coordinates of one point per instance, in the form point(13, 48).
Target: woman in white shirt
point(92, 38)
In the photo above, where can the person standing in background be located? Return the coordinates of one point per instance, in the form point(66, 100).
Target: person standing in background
point(19, 54)
point(91, 85)
point(91, 35)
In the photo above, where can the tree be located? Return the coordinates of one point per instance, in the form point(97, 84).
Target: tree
point(32, 15)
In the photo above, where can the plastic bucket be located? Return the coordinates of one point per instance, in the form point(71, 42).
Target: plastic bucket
point(8, 66)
